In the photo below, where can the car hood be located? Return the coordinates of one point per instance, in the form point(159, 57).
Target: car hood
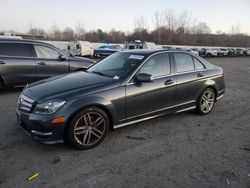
point(68, 86)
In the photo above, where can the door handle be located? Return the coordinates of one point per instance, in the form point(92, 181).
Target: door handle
point(41, 63)
point(169, 81)
point(201, 74)
point(2, 62)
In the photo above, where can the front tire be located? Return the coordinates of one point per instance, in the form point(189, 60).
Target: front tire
point(1, 83)
point(88, 128)
point(206, 101)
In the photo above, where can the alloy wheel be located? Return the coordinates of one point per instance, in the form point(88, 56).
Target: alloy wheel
point(90, 128)
point(207, 101)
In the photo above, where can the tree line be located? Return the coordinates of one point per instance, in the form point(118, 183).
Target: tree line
point(170, 27)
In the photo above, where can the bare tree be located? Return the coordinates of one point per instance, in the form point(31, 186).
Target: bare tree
point(184, 19)
point(170, 19)
point(68, 34)
point(159, 23)
point(140, 24)
point(80, 31)
point(55, 33)
point(202, 28)
point(235, 29)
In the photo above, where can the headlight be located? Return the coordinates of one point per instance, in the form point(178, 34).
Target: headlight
point(49, 107)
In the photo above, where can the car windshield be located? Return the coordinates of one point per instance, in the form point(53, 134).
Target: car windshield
point(118, 65)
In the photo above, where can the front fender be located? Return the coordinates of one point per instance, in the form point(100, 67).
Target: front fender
point(81, 103)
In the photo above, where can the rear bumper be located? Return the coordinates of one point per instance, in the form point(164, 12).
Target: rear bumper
point(220, 94)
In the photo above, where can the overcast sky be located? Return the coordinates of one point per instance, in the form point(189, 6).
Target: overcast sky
point(118, 14)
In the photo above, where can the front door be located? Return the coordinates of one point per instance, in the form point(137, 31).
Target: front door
point(148, 98)
point(48, 62)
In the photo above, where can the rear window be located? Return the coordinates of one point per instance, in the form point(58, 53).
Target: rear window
point(15, 49)
point(197, 64)
point(184, 62)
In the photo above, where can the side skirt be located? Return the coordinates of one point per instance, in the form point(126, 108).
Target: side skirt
point(150, 117)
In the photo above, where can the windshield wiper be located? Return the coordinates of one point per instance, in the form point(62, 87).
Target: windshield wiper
point(100, 73)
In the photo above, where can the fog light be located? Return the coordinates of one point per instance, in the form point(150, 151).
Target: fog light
point(58, 120)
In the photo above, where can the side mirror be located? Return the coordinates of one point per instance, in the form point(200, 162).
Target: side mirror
point(62, 57)
point(144, 77)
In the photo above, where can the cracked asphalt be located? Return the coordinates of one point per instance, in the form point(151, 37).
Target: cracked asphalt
point(177, 150)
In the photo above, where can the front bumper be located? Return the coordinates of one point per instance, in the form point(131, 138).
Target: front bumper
point(40, 127)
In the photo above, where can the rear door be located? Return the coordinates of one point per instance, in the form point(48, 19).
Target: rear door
point(48, 62)
point(148, 98)
point(190, 73)
point(17, 66)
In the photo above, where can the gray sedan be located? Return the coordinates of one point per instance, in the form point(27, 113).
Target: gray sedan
point(125, 88)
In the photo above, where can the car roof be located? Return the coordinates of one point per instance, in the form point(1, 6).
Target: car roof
point(22, 41)
point(148, 52)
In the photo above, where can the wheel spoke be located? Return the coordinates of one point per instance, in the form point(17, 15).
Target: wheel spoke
point(97, 131)
point(203, 105)
point(209, 95)
point(80, 130)
point(98, 121)
point(85, 137)
point(210, 100)
point(89, 136)
point(86, 119)
point(207, 107)
point(204, 98)
point(96, 134)
point(89, 119)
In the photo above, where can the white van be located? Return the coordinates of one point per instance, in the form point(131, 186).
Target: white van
point(80, 48)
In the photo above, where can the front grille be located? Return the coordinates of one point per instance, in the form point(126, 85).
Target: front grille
point(25, 103)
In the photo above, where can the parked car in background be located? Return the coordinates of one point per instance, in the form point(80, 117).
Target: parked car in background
point(239, 51)
point(191, 51)
point(80, 48)
point(232, 52)
point(221, 52)
point(137, 44)
point(107, 50)
point(246, 52)
point(26, 61)
point(124, 88)
point(208, 52)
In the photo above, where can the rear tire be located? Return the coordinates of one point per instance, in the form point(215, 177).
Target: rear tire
point(206, 101)
point(88, 128)
point(208, 55)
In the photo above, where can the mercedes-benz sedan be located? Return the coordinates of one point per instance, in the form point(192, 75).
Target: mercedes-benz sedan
point(125, 88)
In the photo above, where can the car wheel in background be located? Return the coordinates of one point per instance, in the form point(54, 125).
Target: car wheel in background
point(88, 128)
point(206, 101)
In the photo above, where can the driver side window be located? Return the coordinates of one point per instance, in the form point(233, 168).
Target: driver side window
point(158, 65)
point(46, 52)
